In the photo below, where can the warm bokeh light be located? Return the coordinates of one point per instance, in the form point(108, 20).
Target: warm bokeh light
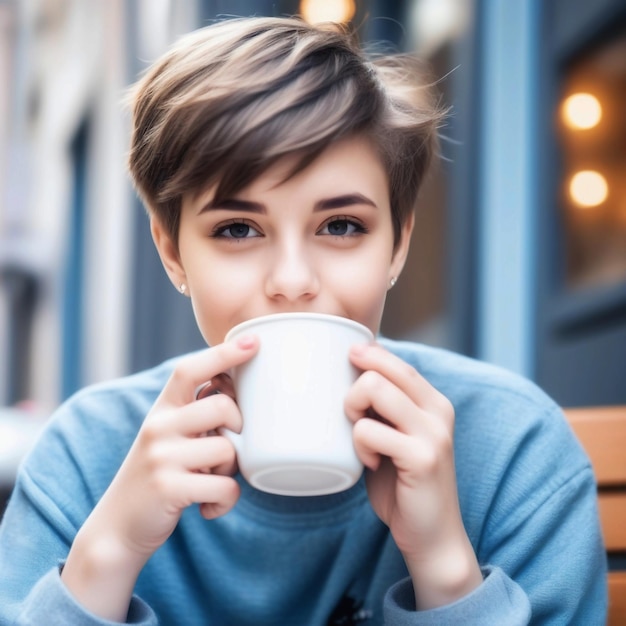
point(317, 11)
point(582, 111)
point(588, 188)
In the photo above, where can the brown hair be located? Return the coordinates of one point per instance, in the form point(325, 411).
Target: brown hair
point(230, 99)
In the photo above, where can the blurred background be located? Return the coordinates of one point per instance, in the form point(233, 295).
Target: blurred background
point(519, 255)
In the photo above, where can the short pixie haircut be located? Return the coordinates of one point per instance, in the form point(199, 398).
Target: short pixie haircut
point(229, 100)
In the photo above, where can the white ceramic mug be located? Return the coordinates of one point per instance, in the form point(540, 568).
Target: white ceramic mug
point(296, 438)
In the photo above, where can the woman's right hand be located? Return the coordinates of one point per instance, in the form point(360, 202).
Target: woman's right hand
point(169, 467)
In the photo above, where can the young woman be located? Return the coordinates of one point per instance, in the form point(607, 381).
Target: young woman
point(280, 167)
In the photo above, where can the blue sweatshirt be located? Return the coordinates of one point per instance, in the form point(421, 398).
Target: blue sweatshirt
point(526, 491)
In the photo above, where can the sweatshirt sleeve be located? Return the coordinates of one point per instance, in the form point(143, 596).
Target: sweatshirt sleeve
point(499, 600)
point(57, 486)
point(35, 533)
point(50, 602)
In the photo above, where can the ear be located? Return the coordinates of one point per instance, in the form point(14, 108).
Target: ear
point(402, 249)
point(168, 251)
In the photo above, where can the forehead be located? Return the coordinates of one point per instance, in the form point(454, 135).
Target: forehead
point(348, 165)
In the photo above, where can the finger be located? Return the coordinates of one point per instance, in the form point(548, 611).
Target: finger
point(210, 413)
point(196, 369)
point(373, 390)
point(376, 358)
point(193, 420)
point(366, 454)
point(215, 494)
point(208, 454)
point(374, 441)
point(229, 468)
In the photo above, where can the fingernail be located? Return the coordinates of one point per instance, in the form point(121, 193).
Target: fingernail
point(245, 342)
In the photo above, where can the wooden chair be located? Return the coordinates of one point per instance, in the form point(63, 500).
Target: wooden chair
point(602, 431)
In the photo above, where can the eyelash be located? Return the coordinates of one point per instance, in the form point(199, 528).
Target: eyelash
point(359, 227)
point(220, 229)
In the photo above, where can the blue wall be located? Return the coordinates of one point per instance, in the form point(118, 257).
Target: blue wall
point(507, 185)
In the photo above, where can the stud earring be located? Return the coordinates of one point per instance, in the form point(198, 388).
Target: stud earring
point(392, 282)
point(182, 288)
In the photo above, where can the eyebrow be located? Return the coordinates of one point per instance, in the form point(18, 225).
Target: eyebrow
point(325, 204)
point(337, 202)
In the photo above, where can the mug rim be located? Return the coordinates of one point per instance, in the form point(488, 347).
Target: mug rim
point(298, 315)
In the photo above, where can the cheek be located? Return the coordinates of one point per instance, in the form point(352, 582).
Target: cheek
point(218, 299)
point(362, 292)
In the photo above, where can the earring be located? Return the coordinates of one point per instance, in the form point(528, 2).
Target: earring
point(182, 288)
point(393, 281)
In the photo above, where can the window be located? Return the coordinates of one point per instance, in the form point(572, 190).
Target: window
point(592, 136)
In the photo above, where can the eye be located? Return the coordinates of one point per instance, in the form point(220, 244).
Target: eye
point(235, 229)
point(342, 227)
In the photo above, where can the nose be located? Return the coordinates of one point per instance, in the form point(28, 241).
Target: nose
point(291, 275)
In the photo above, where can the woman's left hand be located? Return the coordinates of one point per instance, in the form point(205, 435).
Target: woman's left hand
point(404, 434)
